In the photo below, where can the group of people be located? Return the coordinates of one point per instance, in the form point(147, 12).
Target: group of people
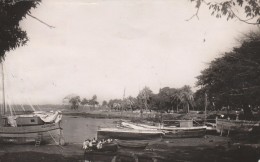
point(94, 144)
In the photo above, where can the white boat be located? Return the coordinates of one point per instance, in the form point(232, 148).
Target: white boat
point(37, 128)
point(184, 131)
point(238, 126)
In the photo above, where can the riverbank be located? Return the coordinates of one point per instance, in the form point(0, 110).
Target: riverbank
point(210, 148)
point(79, 125)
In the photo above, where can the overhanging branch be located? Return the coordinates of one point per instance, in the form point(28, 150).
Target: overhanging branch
point(196, 14)
point(41, 21)
point(240, 19)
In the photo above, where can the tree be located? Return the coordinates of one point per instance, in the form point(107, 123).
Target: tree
point(115, 104)
point(74, 101)
point(199, 99)
point(130, 103)
point(144, 98)
point(160, 102)
point(84, 101)
point(104, 103)
point(165, 99)
point(184, 97)
point(11, 34)
point(247, 11)
point(93, 101)
point(234, 78)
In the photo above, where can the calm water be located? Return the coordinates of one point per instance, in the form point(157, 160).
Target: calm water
point(77, 129)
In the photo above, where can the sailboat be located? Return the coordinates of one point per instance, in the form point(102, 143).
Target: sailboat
point(37, 127)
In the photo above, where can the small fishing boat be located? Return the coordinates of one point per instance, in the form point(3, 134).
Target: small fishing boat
point(128, 134)
point(239, 126)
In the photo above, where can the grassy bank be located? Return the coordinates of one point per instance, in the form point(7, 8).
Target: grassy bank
point(150, 116)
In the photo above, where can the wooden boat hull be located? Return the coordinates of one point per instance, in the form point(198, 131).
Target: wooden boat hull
point(128, 134)
point(133, 144)
point(48, 133)
point(239, 126)
point(172, 132)
point(185, 133)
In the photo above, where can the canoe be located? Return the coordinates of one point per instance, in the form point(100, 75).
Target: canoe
point(128, 134)
point(133, 144)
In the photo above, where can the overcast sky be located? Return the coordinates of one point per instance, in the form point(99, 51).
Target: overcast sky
point(103, 46)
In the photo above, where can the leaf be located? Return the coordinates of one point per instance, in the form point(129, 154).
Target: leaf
point(198, 3)
point(258, 21)
point(240, 2)
point(247, 9)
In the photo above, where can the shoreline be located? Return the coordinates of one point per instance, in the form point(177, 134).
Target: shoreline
point(191, 149)
point(148, 116)
point(208, 148)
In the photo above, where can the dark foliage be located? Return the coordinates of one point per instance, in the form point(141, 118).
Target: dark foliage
point(247, 11)
point(11, 34)
point(234, 78)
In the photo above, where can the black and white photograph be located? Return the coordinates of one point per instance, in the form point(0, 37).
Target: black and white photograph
point(129, 80)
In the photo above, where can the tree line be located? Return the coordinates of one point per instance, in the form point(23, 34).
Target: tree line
point(166, 100)
point(233, 80)
point(75, 101)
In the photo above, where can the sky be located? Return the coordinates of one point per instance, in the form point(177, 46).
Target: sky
point(102, 47)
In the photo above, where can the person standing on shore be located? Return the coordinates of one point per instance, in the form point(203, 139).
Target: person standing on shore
point(85, 144)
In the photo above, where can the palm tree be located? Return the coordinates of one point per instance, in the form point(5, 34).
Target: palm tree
point(183, 96)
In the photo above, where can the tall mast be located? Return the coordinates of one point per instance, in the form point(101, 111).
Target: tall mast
point(124, 94)
point(3, 85)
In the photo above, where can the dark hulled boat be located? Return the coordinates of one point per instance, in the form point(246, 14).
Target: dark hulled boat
point(128, 134)
point(133, 144)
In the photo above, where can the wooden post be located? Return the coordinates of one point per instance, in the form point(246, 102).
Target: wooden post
point(3, 84)
point(206, 103)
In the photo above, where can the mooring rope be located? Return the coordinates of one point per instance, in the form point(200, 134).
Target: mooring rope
point(57, 143)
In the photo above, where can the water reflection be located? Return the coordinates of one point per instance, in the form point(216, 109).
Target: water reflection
point(77, 129)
